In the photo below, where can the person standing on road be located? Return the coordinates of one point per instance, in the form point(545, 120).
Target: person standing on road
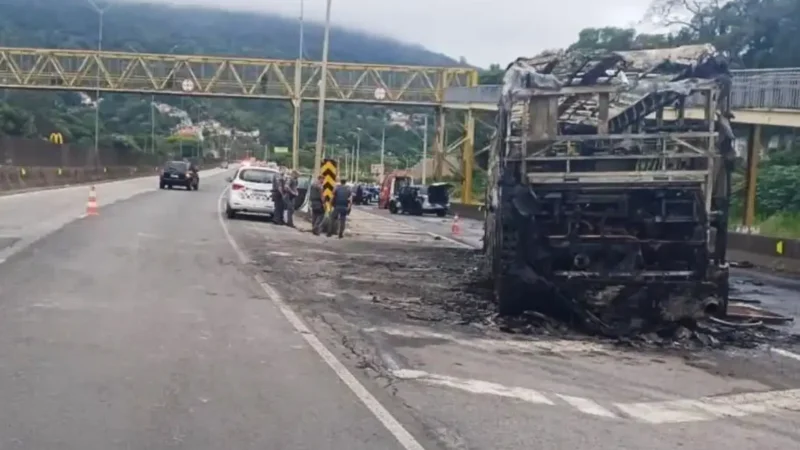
point(317, 203)
point(342, 198)
point(277, 197)
point(289, 196)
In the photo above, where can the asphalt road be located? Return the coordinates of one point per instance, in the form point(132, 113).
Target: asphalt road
point(159, 325)
point(140, 329)
point(387, 296)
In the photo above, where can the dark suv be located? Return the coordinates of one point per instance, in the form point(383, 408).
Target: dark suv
point(180, 173)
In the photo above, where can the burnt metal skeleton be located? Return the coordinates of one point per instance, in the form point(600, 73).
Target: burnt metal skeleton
point(598, 205)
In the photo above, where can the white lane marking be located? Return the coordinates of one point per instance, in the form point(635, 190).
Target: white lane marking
point(587, 406)
point(554, 346)
point(475, 386)
point(785, 353)
point(406, 440)
point(712, 408)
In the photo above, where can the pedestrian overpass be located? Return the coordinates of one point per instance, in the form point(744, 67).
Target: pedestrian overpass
point(759, 97)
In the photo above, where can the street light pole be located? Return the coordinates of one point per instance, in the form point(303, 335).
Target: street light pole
point(322, 91)
point(97, 94)
point(180, 133)
point(101, 15)
point(425, 150)
point(302, 14)
point(346, 172)
point(358, 156)
point(296, 100)
point(153, 124)
point(383, 150)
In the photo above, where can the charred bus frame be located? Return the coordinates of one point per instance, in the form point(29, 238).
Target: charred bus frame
point(611, 217)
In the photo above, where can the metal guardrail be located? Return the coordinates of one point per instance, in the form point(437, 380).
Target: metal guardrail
point(756, 88)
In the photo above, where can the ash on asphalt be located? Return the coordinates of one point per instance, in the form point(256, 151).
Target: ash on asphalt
point(445, 286)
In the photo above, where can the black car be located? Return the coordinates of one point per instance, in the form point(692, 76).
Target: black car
point(180, 173)
point(419, 200)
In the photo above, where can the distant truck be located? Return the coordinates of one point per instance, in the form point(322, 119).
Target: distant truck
point(598, 205)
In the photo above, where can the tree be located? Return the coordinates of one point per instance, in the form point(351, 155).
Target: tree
point(160, 28)
point(755, 33)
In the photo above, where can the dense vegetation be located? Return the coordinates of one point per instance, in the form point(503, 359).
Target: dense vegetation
point(159, 28)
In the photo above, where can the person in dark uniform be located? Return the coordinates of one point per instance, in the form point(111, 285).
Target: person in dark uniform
point(277, 198)
point(317, 204)
point(342, 196)
point(289, 195)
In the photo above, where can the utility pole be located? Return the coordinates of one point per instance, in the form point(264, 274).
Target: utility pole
point(346, 172)
point(358, 157)
point(424, 145)
point(296, 101)
point(425, 150)
point(323, 84)
point(180, 134)
point(383, 150)
point(153, 124)
point(101, 15)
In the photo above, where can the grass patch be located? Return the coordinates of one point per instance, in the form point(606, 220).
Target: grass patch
point(783, 225)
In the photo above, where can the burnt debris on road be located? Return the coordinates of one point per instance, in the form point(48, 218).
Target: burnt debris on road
point(375, 281)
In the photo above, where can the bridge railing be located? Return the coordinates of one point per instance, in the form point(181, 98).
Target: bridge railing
point(483, 94)
point(766, 88)
point(756, 88)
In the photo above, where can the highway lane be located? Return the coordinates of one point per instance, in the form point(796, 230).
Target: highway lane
point(29, 216)
point(140, 329)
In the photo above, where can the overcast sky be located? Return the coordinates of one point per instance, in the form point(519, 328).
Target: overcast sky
point(483, 31)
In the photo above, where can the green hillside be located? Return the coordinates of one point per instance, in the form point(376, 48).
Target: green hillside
point(158, 28)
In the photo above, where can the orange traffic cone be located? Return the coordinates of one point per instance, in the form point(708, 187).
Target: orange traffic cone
point(91, 205)
point(455, 228)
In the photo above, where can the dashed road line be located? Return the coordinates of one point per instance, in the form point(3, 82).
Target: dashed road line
point(785, 353)
point(475, 386)
point(587, 406)
point(702, 409)
point(713, 408)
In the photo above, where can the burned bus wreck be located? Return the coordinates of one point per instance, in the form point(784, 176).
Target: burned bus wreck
point(604, 202)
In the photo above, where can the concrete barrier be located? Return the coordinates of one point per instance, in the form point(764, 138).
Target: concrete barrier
point(467, 211)
point(763, 251)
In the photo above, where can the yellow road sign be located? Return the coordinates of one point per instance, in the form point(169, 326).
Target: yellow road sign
point(56, 138)
point(779, 247)
point(328, 172)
